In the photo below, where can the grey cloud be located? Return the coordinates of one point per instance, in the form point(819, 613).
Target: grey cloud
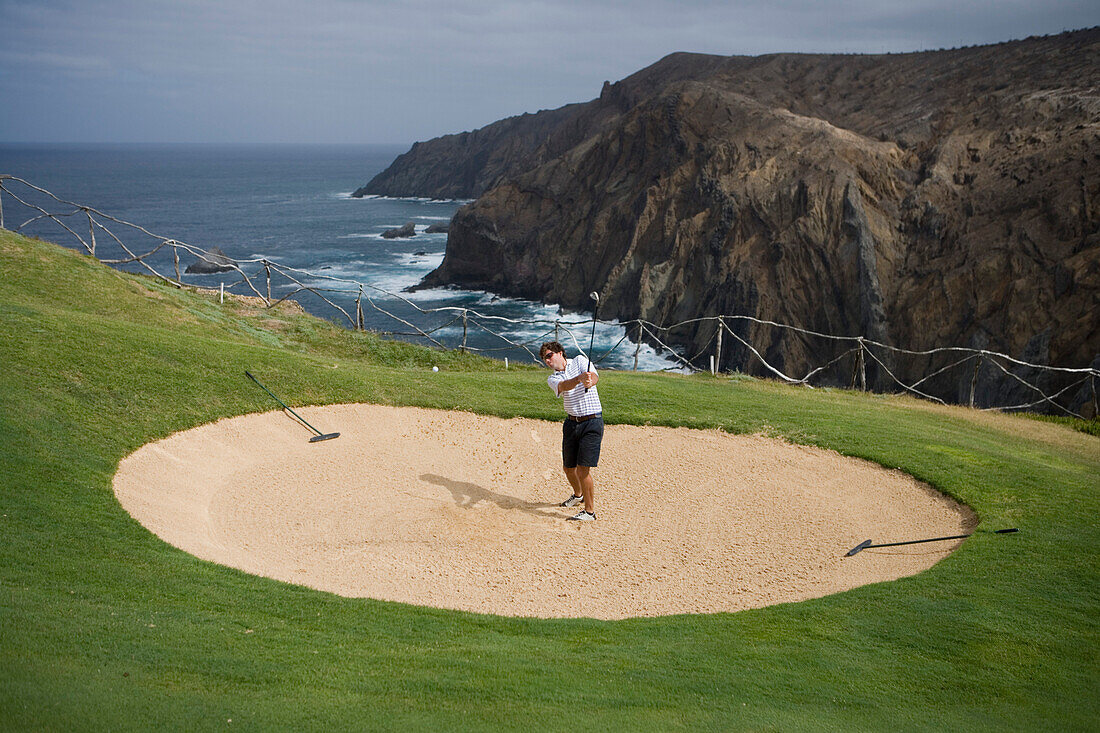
point(344, 70)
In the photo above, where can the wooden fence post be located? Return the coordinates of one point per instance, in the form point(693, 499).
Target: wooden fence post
point(464, 330)
point(359, 310)
point(862, 368)
point(637, 345)
point(91, 231)
point(718, 348)
point(176, 258)
point(974, 379)
point(267, 274)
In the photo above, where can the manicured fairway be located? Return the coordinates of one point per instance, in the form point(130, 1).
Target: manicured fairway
point(104, 626)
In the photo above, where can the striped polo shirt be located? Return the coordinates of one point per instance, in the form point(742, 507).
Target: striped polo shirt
point(577, 402)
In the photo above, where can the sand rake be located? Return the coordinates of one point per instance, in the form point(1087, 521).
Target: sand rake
point(316, 438)
point(868, 544)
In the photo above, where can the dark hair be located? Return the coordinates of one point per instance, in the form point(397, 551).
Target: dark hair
point(548, 347)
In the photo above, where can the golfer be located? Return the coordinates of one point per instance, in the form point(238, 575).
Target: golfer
point(574, 380)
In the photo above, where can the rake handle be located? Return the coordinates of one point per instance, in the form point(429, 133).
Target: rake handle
point(867, 544)
point(285, 406)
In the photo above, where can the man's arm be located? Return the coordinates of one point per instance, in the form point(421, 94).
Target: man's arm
point(588, 379)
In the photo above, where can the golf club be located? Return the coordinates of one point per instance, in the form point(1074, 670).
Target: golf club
point(868, 543)
point(316, 438)
point(596, 297)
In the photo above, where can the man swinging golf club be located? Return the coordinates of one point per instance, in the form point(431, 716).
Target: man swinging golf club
point(574, 380)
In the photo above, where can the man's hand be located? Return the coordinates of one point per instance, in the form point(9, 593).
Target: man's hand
point(585, 379)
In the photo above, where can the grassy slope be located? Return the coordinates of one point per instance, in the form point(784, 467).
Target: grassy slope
point(102, 625)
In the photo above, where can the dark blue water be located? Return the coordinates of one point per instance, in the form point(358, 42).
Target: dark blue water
point(289, 204)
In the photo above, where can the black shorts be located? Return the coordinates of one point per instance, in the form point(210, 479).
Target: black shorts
point(580, 442)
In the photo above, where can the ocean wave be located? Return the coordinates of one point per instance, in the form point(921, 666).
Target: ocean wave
point(529, 323)
point(427, 261)
point(518, 320)
point(354, 270)
point(420, 229)
point(611, 349)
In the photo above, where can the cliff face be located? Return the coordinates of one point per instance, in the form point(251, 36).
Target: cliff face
point(923, 200)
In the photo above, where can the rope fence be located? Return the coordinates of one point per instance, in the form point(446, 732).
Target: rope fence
point(845, 363)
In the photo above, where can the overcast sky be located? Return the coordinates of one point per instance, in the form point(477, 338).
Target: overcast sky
point(367, 71)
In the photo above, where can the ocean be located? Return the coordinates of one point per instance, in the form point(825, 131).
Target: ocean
point(292, 205)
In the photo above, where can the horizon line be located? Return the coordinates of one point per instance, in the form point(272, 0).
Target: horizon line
point(253, 143)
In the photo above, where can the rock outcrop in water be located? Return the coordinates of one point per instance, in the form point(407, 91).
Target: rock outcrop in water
point(402, 232)
point(922, 200)
point(211, 263)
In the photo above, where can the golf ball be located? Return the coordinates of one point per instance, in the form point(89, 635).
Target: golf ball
point(435, 369)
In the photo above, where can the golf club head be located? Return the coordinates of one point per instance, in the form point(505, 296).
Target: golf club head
point(594, 296)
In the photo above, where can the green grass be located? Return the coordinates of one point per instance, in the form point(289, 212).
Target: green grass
point(1090, 426)
point(104, 626)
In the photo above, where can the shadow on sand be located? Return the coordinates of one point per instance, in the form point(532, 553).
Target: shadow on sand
point(466, 494)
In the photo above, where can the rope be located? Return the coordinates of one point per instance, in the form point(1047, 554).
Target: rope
point(646, 330)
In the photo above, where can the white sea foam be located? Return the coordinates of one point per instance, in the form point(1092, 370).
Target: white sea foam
point(416, 226)
point(608, 336)
point(426, 262)
point(538, 319)
point(344, 274)
point(406, 269)
point(398, 283)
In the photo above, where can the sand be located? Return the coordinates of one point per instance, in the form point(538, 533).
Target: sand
point(460, 511)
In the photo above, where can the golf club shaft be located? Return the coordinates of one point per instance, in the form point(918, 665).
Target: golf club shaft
point(592, 340)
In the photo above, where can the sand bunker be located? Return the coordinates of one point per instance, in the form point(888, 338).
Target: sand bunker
point(456, 510)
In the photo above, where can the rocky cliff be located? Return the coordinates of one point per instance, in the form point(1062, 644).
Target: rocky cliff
point(934, 199)
point(465, 165)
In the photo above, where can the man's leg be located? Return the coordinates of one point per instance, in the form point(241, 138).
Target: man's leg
point(569, 455)
point(588, 456)
point(571, 474)
point(587, 487)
